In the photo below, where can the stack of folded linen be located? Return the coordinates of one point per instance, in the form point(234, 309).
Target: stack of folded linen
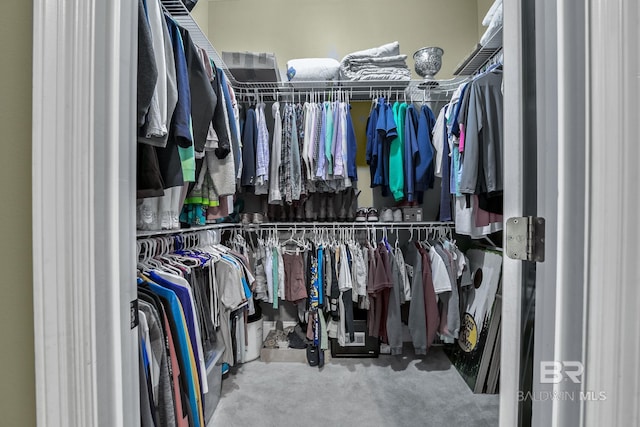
point(493, 21)
point(379, 63)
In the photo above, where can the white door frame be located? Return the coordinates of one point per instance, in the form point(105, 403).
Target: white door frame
point(612, 318)
point(595, 280)
point(83, 212)
point(84, 68)
point(513, 207)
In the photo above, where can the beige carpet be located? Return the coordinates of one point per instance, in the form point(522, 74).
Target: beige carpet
point(388, 391)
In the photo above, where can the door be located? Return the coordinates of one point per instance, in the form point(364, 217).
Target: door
point(571, 114)
point(545, 110)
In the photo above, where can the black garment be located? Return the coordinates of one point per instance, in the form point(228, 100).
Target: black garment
point(148, 177)
point(147, 70)
point(347, 300)
point(249, 147)
point(219, 120)
point(198, 280)
point(491, 202)
point(203, 98)
point(170, 164)
point(335, 288)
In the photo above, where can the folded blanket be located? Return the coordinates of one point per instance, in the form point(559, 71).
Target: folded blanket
point(378, 63)
point(313, 69)
point(389, 49)
point(380, 74)
point(494, 25)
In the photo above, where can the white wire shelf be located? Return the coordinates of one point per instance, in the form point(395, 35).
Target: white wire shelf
point(152, 233)
point(480, 56)
point(413, 90)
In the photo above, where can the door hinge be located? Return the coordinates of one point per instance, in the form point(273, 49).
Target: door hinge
point(525, 238)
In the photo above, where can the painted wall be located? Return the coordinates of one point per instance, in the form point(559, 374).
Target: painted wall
point(334, 28)
point(17, 371)
point(483, 8)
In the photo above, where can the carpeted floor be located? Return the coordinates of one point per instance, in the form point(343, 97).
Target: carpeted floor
point(388, 391)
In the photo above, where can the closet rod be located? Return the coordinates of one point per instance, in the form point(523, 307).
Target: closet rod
point(151, 233)
point(342, 225)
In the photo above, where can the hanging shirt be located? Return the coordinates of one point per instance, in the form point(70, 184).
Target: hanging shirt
point(185, 351)
point(352, 146)
point(337, 142)
point(328, 140)
point(424, 163)
point(483, 138)
point(262, 152)
point(307, 153)
point(445, 195)
point(410, 151)
point(396, 154)
point(321, 171)
point(183, 291)
point(249, 147)
point(275, 194)
point(371, 154)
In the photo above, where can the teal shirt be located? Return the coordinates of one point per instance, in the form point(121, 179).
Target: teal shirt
point(328, 139)
point(396, 153)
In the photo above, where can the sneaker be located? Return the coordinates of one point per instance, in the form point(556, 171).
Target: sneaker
point(397, 215)
point(361, 214)
point(258, 218)
point(372, 215)
point(225, 368)
point(246, 218)
point(386, 215)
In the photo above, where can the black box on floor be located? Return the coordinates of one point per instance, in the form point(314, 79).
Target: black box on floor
point(363, 345)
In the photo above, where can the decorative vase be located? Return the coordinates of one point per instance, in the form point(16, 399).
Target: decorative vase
point(428, 61)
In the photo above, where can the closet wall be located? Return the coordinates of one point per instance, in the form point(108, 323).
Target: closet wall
point(17, 369)
point(334, 28)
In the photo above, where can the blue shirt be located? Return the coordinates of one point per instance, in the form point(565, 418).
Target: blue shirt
point(174, 309)
point(187, 308)
point(410, 150)
point(371, 155)
point(352, 148)
point(181, 120)
point(424, 162)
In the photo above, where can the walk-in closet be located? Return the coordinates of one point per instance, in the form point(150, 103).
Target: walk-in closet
point(309, 232)
point(355, 212)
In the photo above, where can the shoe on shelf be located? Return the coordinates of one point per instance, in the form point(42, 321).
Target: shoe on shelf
point(246, 218)
point(258, 218)
point(386, 215)
point(340, 209)
point(331, 209)
point(397, 215)
point(361, 214)
point(322, 206)
point(372, 215)
point(352, 204)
